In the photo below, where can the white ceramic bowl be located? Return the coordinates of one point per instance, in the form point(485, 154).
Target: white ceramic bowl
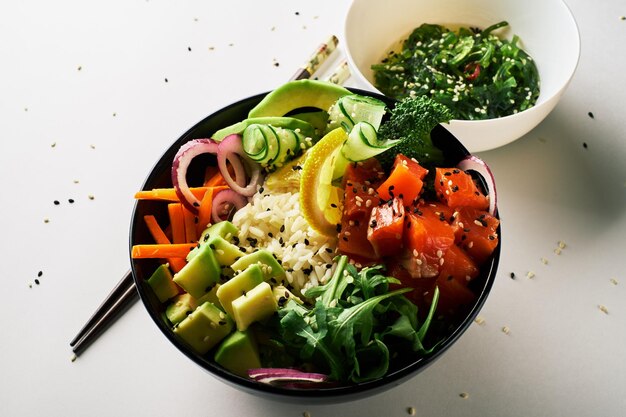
point(547, 30)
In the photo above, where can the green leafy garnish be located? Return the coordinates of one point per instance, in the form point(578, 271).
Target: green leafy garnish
point(477, 74)
point(355, 323)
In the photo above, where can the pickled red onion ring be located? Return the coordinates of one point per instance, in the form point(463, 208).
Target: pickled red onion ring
point(182, 159)
point(224, 202)
point(230, 150)
point(474, 163)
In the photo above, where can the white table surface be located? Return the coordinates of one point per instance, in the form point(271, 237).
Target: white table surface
point(91, 93)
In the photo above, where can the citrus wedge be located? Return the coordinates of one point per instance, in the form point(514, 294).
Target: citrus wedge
point(320, 201)
point(287, 177)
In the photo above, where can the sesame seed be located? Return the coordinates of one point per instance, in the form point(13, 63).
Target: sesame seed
point(512, 275)
point(73, 358)
point(557, 251)
point(479, 320)
point(506, 330)
point(464, 395)
point(441, 261)
point(544, 261)
point(561, 244)
point(530, 274)
point(478, 223)
point(411, 411)
point(603, 309)
point(614, 281)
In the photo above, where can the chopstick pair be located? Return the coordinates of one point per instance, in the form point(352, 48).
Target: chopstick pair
point(339, 75)
point(125, 292)
point(117, 302)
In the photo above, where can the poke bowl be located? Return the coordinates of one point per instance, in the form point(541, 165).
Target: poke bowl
point(258, 292)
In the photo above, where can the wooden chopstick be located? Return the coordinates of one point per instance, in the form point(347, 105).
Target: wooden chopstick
point(125, 292)
point(116, 303)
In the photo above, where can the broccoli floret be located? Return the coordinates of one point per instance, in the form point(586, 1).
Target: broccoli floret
point(411, 121)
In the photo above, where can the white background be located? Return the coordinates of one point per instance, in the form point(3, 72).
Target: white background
point(89, 78)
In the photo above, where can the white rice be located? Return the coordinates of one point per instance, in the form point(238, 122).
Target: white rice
point(305, 265)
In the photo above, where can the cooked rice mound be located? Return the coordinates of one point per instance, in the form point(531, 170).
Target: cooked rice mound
point(273, 221)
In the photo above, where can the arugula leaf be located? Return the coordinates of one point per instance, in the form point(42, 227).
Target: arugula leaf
point(352, 315)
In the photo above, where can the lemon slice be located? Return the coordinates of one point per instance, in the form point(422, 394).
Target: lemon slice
point(286, 178)
point(320, 201)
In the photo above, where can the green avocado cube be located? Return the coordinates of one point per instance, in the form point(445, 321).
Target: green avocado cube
point(238, 353)
point(238, 285)
point(223, 229)
point(211, 296)
point(204, 328)
point(162, 284)
point(265, 259)
point(200, 274)
point(256, 305)
point(225, 252)
point(180, 307)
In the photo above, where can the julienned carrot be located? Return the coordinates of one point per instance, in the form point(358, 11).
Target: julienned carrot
point(173, 250)
point(213, 180)
point(204, 211)
point(177, 221)
point(167, 194)
point(190, 220)
point(176, 264)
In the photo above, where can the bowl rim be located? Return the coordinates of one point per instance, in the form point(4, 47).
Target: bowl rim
point(336, 394)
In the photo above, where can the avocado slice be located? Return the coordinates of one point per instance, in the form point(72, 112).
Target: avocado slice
point(264, 258)
point(298, 94)
point(162, 284)
point(200, 274)
point(238, 353)
point(291, 123)
point(180, 307)
point(317, 119)
point(238, 285)
point(256, 305)
point(204, 328)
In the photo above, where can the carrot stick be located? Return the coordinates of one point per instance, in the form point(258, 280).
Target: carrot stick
point(173, 250)
point(159, 237)
point(190, 221)
point(204, 211)
point(177, 221)
point(214, 180)
point(167, 194)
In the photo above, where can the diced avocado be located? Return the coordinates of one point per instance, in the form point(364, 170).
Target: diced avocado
point(298, 94)
point(282, 295)
point(291, 123)
point(204, 328)
point(224, 229)
point(257, 304)
point(200, 274)
point(161, 283)
point(180, 307)
point(211, 296)
point(264, 258)
point(238, 285)
point(238, 353)
point(225, 252)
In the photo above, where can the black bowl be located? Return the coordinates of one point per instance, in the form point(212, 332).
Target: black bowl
point(160, 177)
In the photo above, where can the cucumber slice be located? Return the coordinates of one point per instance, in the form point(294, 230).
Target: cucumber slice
point(352, 109)
point(289, 141)
point(261, 143)
point(363, 143)
point(292, 123)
